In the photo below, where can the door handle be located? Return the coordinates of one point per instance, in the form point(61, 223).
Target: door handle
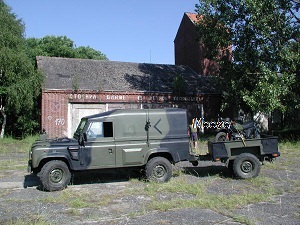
point(110, 151)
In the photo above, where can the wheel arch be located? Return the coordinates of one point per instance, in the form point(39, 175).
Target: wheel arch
point(44, 160)
point(164, 154)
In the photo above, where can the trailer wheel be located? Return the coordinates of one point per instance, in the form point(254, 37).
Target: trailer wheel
point(246, 166)
point(158, 169)
point(55, 175)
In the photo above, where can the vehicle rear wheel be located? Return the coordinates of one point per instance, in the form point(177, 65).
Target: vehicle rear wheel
point(246, 166)
point(55, 175)
point(159, 169)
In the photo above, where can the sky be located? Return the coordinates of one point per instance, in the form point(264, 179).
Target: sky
point(128, 31)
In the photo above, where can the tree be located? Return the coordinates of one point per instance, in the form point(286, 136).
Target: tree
point(60, 46)
point(179, 84)
point(264, 35)
point(19, 82)
point(89, 53)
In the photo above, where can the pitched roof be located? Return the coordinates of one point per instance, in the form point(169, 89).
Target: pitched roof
point(187, 20)
point(193, 17)
point(102, 75)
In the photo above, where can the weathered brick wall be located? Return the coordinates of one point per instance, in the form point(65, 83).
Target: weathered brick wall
point(54, 118)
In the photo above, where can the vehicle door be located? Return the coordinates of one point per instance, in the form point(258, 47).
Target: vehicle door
point(99, 150)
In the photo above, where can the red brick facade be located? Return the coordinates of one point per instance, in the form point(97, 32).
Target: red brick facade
point(56, 111)
point(190, 52)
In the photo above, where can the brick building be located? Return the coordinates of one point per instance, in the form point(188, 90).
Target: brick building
point(191, 52)
point(74, 88)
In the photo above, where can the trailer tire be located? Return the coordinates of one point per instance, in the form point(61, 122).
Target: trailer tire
point(159, 169)
point(246, 166)
point(55, 175)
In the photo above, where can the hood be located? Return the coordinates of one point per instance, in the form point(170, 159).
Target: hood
point(55, 142)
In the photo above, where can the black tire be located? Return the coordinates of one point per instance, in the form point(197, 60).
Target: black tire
point(195, 163)
point(159, 169)
point(55, 175)
point(246, 166)
point(221, 136)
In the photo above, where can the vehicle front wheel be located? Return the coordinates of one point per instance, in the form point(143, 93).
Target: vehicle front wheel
point(159, 169)
point(246, 166)
point(55, 175)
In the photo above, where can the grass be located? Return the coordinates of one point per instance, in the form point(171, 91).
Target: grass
point(9, 145)
point(31, 220)
point(14, 153)
point(290, 154)
point(75, 199)
point(196, 195)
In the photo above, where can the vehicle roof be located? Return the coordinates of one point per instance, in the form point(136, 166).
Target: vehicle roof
point(135, 111)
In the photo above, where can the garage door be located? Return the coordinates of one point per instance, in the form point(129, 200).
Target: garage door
point(77, 111)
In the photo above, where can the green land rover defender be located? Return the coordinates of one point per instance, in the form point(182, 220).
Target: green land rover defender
point(151, 139)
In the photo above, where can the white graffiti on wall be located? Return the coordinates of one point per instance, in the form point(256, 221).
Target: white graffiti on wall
point(55, 106)
point(115, 97)
point(59, 122)
point(82, 96)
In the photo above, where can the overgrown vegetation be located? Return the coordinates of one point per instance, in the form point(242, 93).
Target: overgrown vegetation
point(19, 81)
point(257, 45)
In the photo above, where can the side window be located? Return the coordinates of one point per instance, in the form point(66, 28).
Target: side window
point(108, 129)
point(95, 130)
point(100, 130)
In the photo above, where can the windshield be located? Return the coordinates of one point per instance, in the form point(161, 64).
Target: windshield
point(80, 128)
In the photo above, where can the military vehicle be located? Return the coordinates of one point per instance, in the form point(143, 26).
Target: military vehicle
point(151, 140)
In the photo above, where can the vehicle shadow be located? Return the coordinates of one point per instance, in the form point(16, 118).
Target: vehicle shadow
point(116, 176)
point(217, 170)
point(88, 177)
point(31, 180)
point(104, 176)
